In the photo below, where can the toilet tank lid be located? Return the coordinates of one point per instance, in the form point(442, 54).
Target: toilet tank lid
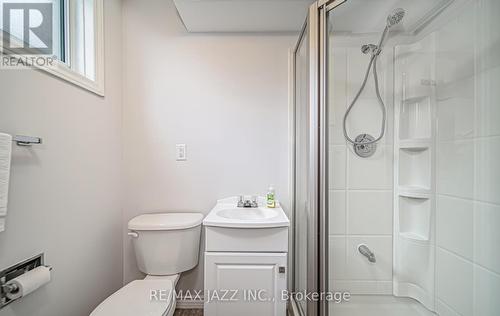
point(165, 221)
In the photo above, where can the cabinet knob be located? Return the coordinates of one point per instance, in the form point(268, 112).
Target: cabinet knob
point(281, 270)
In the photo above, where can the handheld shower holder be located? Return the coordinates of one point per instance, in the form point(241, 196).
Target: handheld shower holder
point(370, 49)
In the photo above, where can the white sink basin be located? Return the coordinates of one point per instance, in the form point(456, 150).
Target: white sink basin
point(227, 214)
point(248, 213)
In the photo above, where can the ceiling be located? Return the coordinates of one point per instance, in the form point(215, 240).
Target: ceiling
point(243, 15)
point(354, 16)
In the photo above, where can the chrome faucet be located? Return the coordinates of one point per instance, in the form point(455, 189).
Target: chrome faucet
point(247, 203)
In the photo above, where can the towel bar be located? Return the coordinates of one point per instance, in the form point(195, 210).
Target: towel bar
point(26, 140)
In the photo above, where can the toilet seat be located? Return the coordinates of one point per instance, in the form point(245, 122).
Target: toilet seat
point(138, 298)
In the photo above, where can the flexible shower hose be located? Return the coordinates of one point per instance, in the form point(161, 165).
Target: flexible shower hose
point(373, 63)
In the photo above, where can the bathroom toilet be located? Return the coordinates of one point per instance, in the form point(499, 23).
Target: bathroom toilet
point(165, 245)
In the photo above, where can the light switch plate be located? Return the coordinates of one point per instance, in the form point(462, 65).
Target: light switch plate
point(180, 152)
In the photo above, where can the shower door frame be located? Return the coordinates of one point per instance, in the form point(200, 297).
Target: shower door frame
point(315, 27)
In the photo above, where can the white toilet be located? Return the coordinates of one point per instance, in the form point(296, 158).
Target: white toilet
point(165, 245)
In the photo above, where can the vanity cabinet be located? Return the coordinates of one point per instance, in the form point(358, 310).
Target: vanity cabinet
point(245, 260)
point(238, 283)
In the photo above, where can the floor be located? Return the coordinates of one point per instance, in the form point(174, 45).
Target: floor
point(359, 305)
point(188, 312)
point(378, 305)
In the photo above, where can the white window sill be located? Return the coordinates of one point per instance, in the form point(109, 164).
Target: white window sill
point(61, 70)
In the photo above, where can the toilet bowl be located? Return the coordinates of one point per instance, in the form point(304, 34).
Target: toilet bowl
point(165, 245)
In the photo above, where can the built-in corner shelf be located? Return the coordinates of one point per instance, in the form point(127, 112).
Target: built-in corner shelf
point(413, 237)
point(415, 144)
point(414, 217)
point(414, 167)
point(415, 192)
point(415, 99)
point(415, 118)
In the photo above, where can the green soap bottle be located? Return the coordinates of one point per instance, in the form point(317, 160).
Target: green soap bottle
point(270, 197)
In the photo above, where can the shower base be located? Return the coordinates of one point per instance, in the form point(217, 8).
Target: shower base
point(379, 305)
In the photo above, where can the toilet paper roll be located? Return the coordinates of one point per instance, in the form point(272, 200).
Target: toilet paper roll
point(29, 282)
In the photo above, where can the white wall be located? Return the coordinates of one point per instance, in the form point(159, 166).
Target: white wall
point(65, 194)
point(360, 188)
point(225, 96)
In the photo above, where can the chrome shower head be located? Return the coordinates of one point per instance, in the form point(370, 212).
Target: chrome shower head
point(395, 17)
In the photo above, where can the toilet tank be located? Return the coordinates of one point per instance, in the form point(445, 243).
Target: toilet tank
point(167, 243)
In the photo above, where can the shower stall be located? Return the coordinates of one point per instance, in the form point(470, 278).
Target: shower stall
point(396, 173)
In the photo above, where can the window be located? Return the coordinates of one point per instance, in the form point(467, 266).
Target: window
point(68, 32)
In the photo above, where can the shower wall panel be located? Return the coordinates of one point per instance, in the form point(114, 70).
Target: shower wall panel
point(465, 200)
point(360, 188)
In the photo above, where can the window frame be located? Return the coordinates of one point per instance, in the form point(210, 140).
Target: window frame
point(64, 69)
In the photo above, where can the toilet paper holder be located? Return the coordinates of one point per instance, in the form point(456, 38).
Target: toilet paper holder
point(9, 288)
point(13, 272)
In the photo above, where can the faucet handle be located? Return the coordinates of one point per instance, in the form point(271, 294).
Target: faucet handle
point(240, 201)
point(254, 201)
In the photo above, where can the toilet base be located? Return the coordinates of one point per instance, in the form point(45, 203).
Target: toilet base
point(135, 298)
point(174, 278)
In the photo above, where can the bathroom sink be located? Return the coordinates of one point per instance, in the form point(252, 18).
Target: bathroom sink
point(227, 214)
point(248, 213)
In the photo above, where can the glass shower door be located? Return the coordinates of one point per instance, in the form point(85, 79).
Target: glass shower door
point(301, 166)
point(427, 202)
point(305, 181)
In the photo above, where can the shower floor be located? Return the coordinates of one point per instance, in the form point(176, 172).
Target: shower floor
point(379, 305)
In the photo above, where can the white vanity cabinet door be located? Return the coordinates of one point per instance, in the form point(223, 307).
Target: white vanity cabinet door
point(245, 284)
